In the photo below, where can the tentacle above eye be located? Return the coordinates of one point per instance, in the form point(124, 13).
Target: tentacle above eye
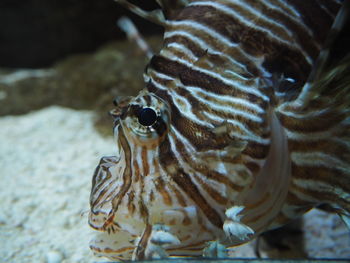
point(155, 16)
point(168, 10)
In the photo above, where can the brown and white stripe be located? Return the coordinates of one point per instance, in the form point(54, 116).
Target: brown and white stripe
point(230, 71)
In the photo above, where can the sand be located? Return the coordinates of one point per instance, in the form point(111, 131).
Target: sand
point(47, 159)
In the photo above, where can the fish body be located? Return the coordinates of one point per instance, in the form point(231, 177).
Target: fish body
point(243, 125)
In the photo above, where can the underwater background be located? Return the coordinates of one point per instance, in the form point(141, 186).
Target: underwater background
point(61, 65)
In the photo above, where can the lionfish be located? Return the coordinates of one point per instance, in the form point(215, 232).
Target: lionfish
point(243, 125)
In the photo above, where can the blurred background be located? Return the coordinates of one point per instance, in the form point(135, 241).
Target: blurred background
point(68, 53)
point(38, 33)
point(61, 65)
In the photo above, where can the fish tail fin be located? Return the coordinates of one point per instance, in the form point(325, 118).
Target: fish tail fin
point(317, 125)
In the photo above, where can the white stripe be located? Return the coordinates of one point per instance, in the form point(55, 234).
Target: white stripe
point(199, 92)
point(151, 155)
point(291, 112)
point(188, 113)
point(230, 110)
point(321, 186)
point(225, 98)
point(205, 47)
point(254, 13)
point(327, 11)
point(286, 7)
point(137, 155)
point(161, 76)
point(221, 167)
point(248, 22)
point(230, 82)
point(205, 30)
point(182, 48)
point(187, 146)
point(314, 136)
point(321, 159)
point(248, 136)
point(185, 166)
point(234, 74)
point(290, 12)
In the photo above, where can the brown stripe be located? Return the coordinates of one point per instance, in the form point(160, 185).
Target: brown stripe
point(143, 209)
point(198, 109)
point(203, 169)
point(332, 177)
point(142, 244)
point(300, 34)
point(188, 128)
point(184, 181)
point(253, 167)
point(319, 196)
point(191, 77)
point(136, 169)
point(199, 52)
point(145, 160)
point(148, 100)
point(263, 105)
point(211, 191)
point(322, 121)
point(102, 193)
point(151, 196)
point(294, 200)
point(258, 203)
point(331, 147)
point(179, 196)
point(111, 250)
point(253, 41)
point(256, 150)
point(196, 50)
point(131, 206)
point(99, 178)
point(161, 188)
point(127, 172)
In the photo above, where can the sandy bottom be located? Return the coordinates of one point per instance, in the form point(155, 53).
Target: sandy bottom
point(47, 159)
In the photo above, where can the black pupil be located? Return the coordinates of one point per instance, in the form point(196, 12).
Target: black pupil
point(147, 117)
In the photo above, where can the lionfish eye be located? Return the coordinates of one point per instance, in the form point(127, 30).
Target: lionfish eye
point(147, 117)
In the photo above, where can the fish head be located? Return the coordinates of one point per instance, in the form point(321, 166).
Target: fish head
point(141, 124)
point(120, 192)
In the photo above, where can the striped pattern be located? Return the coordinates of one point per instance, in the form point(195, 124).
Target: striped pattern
point(227, 132)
